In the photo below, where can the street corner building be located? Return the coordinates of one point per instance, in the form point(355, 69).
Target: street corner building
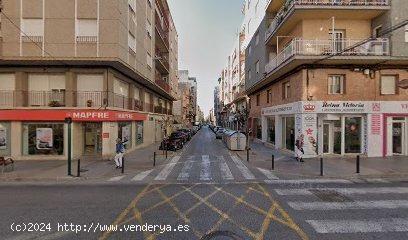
point(109, 65)
point(333, 74)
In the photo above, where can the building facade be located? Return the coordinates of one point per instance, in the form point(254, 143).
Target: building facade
point(332, 75)
point(109, 65)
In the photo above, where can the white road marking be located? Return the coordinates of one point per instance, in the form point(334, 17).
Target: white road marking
point(376, 180)
point(167, 169)
point(302, 181)
point(185, 171)
point(382, 204)
point(205, 174)
point(360, 226)
point(268, 174)
point(37, 235)
point(225, 170)
point(346, 191)
point(142, 175)
point(117, 178)
point(241, 166)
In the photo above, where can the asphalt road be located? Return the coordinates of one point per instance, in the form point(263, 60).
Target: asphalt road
point(205, 193)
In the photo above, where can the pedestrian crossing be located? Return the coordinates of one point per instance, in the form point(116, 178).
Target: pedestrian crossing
point(360, 212)
point(202, 168)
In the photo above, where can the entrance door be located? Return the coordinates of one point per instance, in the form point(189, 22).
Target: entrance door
point(398, 139)
point(332, 137)
point(338, 40)
point(93, 139)
point(326, 138)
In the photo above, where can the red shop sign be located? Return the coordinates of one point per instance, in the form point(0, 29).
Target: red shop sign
point(76, 115)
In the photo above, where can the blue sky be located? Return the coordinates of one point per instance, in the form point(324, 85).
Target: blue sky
point(207, 32)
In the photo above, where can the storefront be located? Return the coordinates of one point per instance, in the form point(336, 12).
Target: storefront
point(371, 128)
point(42, 134)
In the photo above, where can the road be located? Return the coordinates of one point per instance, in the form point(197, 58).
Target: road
point(206, 192)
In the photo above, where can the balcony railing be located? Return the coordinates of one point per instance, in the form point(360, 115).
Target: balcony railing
point(342, 47)
point(286, 8)
point(162, 29)
point(163, 84)
point(7, 99)
point(35, 39)
point(87, 39)
point(46, 98)
point(91, 99)
point(137, 105)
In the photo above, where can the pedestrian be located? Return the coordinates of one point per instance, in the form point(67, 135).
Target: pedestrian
point(120, 150)
point(299, 149)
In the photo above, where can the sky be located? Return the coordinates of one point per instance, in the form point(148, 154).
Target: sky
point(207, 31)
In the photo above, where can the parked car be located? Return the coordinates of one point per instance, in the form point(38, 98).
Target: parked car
point(171, 144)
point(220, 131)
point(179, 135)
point(186, 131)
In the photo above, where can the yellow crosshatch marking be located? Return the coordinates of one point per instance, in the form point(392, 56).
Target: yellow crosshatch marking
point(273, 213)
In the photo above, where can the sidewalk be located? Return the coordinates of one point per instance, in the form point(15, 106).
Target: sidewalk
point(334, 166)
point(135, 161)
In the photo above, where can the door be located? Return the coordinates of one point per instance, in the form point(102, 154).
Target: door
point(326, 138)
point(93, 138)
point(338, 40)
point(398, 138)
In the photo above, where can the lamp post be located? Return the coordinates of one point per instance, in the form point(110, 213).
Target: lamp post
point(68, 121)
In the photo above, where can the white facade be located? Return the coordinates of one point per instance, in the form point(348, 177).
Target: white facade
point(254, 11)
point(375, 129)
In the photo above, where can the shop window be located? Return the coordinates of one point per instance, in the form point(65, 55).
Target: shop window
point(388, 85)
point(286, 90)
point(43, 139)
point(258, 99)
point(5, 139)
point(336, 84)
point(139, 133)
point(271, 130)
point(258, 126)
point(353, 135)
point(125, 134)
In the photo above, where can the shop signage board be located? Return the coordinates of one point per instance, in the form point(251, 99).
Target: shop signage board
point(76, 115)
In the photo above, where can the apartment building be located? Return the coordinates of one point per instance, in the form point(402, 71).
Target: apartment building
point(192, 83)
point(333, 74)
point(109, 65)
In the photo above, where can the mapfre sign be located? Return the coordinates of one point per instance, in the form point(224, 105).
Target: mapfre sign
point(76, 115)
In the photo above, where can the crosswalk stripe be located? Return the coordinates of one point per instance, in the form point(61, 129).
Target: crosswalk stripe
point(382, 204)
point(302, 181)
point(167, 169)
point(225, 170)
point(142, 175)
point(268, 174)
point(345, 191)
point(360, 226)
point(185, 171)
point(117, 178)
point(241, 166)
point(205, 174)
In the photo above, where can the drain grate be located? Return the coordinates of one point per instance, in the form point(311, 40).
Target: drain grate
point(330, 195)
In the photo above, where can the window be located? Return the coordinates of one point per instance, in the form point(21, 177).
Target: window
point(149, 29)
point(388, 85)
point(132, 5)
point(33, 28)
point(286, 90)
point(336, 84)
point(377, 31)
point(257, 67)
point(125, 133)
point(43, 139)
point(87, 28)
point(268, 96)
point(149, 2)
point(149, 60)
point(258, 99)
point(257, 39)
point(139, 133)
point(131, 42)
point(406, 33)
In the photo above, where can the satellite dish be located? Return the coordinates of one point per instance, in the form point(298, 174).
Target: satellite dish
point(403, 84)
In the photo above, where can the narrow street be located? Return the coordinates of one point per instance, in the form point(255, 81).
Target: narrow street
point(208, 193)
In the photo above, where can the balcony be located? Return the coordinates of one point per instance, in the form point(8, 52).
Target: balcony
point(46, 98)
point(314, 8)
point(162, 63)
point(91, 99)
point(315, 49)
point(163, 84)
point(7, 99)
point(162, 35)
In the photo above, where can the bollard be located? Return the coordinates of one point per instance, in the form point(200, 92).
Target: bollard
point(123, 165)
point(166, 150)
point(79, 168)
point(273, 162)
point(247, 154)
point(321, 166)
point(358, 164)
point(154, 159)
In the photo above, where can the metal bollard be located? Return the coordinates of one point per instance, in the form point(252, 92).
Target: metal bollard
point(79, 168)
point(321, 166)
point(358, 164)
point(123, 165)
point(166, 150)
point(154, 159)
point(273, 162)
point(247, 154)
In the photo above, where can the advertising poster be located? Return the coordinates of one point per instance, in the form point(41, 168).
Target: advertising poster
point(3, 138)
point(44, 138)
point(306, 128)
point(126, 134)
